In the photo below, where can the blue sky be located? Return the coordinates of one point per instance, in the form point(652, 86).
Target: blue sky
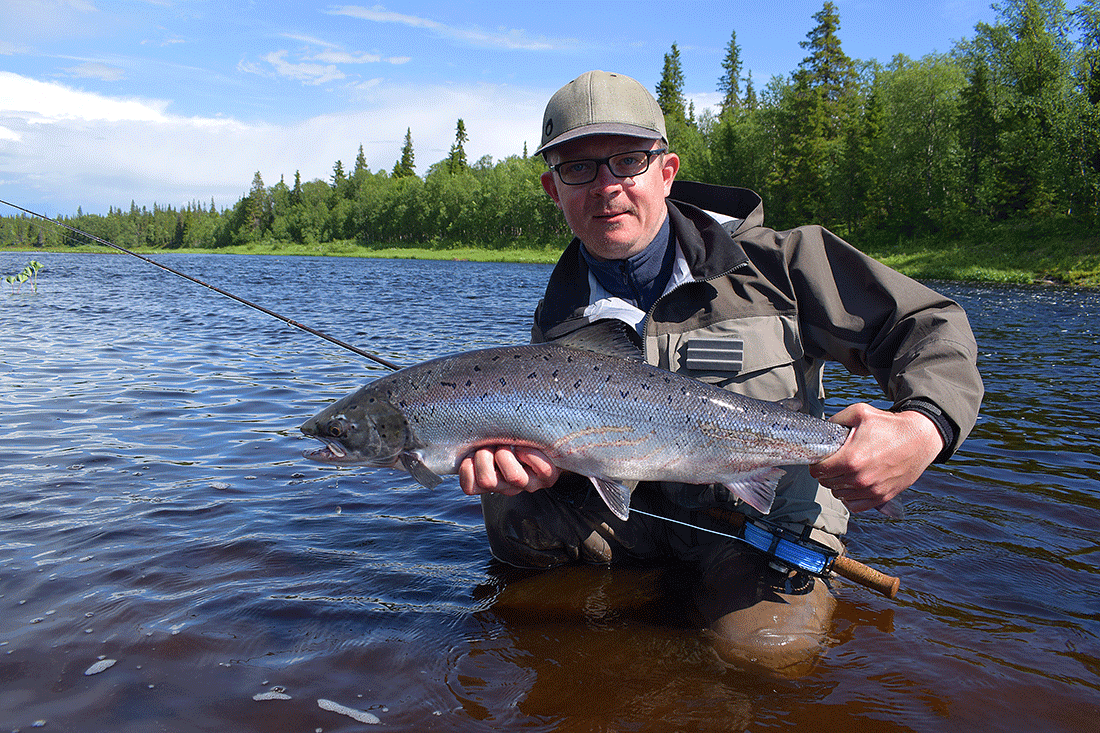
point(170, 101)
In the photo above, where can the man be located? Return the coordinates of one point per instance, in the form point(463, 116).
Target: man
point(682, 262)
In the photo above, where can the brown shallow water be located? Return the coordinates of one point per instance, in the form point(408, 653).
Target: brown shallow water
point(155, 512)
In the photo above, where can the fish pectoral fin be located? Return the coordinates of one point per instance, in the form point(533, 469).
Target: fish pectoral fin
point(614, 494)
point(756, 488)
point(416, 468)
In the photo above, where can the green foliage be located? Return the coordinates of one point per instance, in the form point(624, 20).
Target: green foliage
point(730, 81)
point(406, 165)
point(670, 90)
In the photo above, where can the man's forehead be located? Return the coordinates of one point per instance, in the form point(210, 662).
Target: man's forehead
point(599, 146)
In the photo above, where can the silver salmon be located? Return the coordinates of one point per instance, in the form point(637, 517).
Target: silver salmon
point(612, 419)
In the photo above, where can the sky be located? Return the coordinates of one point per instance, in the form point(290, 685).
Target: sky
point(106, 103)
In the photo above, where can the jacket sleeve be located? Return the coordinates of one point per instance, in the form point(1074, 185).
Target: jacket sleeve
point(916, 343)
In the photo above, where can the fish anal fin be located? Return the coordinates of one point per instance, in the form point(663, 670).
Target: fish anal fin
point(614, 494)
point(416, 468)
point(756, 488)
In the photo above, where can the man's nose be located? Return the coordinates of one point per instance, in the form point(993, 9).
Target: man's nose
point(604, 176)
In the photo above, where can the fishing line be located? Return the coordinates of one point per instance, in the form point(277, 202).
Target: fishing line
point(795, 553)
point(331, 339)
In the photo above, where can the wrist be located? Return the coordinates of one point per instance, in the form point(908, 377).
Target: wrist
point(943, 425)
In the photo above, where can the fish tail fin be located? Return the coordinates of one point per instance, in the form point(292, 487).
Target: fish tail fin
point(614, 494)
point(892, 509)
point(756, 488)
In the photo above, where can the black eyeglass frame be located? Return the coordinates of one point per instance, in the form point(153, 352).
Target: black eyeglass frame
point(649, 156)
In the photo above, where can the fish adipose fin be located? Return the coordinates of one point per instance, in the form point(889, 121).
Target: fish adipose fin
point(423, 475)
point(614, 494)
point(756, 488)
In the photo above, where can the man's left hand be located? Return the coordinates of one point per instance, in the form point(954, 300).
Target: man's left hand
point(885, 453)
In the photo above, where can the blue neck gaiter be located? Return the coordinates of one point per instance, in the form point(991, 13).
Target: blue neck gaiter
point(641, 279)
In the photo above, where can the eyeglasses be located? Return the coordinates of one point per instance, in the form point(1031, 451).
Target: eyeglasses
point(623, 165)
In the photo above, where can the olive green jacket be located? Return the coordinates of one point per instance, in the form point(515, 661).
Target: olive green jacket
point(762, 311)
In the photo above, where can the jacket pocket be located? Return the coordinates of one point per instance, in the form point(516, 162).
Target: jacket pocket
point(755, 355)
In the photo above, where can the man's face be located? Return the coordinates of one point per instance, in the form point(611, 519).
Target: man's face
point(615, 218)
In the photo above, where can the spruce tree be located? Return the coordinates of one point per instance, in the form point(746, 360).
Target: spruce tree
point(730, 82)
point(456, 163)
point(405, 167)
point(670, 90)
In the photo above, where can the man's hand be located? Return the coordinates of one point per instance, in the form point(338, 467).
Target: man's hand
point(506, 470)
point(885, 453)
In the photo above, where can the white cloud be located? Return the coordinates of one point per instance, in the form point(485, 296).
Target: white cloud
point(305, 72)
point(96, 70)
point(337, 56)
point(70, 148)
point(515, 39)
point(45, 102)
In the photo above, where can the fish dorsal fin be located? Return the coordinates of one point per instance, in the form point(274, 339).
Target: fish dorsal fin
point(609, 336)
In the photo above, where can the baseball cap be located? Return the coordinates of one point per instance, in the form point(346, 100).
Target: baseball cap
point(601, 103)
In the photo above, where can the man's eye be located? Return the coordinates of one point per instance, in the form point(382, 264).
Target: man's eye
point(578, 166)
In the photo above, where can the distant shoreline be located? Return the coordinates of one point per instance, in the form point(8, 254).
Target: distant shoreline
point(1023, 259)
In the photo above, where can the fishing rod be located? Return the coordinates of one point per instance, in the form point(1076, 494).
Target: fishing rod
point(782, 546)
point(331, 339)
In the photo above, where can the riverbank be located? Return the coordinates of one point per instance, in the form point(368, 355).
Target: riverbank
point(1003, 254)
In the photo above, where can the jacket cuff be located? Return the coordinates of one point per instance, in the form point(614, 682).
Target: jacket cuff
point(947, 429)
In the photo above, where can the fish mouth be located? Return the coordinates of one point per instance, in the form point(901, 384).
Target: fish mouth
point(330, 452)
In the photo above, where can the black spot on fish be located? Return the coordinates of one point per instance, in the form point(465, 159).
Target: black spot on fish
point(533, 375)
point(469, 382)
point(452, 385)
point(577, 384)
point(503, 382)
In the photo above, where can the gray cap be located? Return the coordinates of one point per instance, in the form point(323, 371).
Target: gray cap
point(600, 103)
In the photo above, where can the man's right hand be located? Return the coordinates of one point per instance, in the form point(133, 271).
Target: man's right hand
point(507, 470)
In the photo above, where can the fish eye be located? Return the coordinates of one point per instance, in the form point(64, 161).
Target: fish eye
point(335, 428)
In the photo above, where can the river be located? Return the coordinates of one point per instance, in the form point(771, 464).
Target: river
point(170, 561)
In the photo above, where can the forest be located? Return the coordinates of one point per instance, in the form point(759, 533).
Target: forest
point(1002, 130)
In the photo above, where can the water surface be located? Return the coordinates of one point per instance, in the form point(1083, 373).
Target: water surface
point(155, 510)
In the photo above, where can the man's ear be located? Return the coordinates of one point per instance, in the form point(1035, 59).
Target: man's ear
point(670, 166)
point(550, 186)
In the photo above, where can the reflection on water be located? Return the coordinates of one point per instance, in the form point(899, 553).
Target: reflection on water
point(156, 511)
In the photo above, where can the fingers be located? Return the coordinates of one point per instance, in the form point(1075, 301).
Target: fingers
point(884, 454)
point(506, 470)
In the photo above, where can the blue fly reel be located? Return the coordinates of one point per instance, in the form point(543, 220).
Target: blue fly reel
point(787, 548)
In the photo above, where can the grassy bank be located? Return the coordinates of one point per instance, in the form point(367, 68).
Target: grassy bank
point(1002, 254)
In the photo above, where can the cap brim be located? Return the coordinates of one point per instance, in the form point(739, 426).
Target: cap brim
point(602, 128)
